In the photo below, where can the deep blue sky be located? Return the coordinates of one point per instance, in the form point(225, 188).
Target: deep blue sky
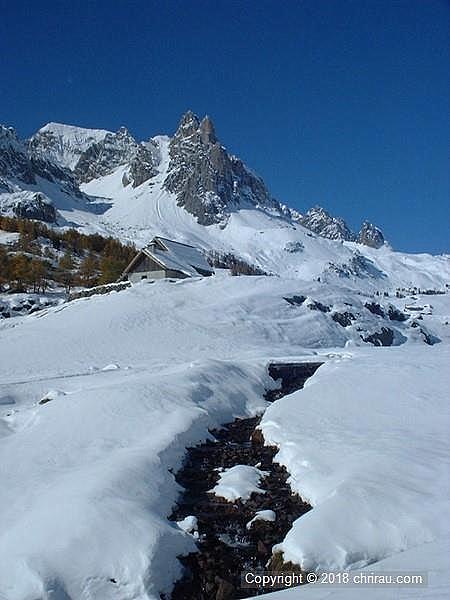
point(343, 103)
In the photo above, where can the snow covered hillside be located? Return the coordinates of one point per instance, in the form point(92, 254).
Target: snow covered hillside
point(100, 396)
point(189, 188)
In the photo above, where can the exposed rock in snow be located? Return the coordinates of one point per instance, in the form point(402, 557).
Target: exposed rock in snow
point(21, 168)
point(208, 182)
point(14, 161)
point(317, 219)
point(116, 149)
point(51, 395)
point(93, 153)
point(28, 205)
point(370, 235)
point(64, 144)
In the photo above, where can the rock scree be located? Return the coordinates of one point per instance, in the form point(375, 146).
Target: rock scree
point(228, 544)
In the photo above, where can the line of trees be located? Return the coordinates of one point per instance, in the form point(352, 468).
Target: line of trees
point(237, 266)
point(69, 258)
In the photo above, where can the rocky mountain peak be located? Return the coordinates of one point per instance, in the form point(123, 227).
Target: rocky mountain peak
point(123, 131)
point(318, 220)
point(208, 182)
point(8, 138)
point(189, 124)
point(370, 235)
point(14, 161)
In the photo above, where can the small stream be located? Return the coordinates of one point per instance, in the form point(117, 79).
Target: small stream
point(226, 546)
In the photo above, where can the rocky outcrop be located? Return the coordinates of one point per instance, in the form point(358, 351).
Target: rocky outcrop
point(14, 161)
point(210, 183)
point(116, 149)
point(384, 337)
point(28, 205)
point(141, 167)
point(318, 220)
point(93, 153)
point(370, 235)
point(20, 164)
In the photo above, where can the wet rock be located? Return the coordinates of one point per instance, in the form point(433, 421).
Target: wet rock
point(292, 377)
point(225, 589)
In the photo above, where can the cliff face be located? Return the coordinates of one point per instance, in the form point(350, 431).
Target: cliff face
point(207, 181)
point(210, 183)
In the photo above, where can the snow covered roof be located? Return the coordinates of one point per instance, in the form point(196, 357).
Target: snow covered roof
point(178, 257)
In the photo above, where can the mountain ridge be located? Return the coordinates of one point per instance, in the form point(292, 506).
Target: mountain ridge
point(208, 181)
point(190, 188)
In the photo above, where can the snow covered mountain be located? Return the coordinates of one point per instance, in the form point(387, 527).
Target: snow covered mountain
point(101, 395)
point(189, 188)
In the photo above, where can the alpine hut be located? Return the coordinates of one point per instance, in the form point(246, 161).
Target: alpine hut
point(166, 258)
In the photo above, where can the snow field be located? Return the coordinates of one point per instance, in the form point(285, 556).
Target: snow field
point(85, 483)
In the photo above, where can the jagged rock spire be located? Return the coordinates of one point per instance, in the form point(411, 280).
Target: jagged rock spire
point(207, 131)
point(189, 124)
point(317, 219)
point(370, 235)
point(210, 183)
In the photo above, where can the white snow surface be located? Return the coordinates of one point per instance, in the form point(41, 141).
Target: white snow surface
point(239, 483)
point(86, 489)
point(366, 443)
point(262, 515)
point(431, 558)
point(189, 524)
point(8, 237)
point(71, 142)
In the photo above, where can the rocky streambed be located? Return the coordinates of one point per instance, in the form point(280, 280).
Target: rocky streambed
point(228, 544)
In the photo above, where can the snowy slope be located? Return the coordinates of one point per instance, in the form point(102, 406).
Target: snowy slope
point(100, 396)
point(130, 200)
point(65, 143)
point(274, 243)
point(430, 558)
point(133, 377)
point(377, 473)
